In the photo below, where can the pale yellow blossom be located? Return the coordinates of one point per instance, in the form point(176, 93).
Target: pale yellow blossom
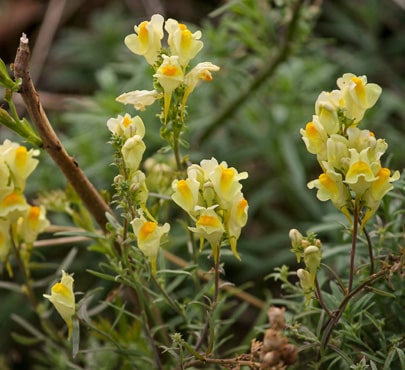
point(169, 75)
point(182, 42)
point(148, 235)
point(126, 126)
point(147, 39)
point(63, 299)
point(139, 98)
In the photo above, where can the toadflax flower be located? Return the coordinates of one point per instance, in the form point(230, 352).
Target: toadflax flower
point(126, 126)
point(148, 235)
point(147, 38)
point(182, 42)
point(63, 299)
point(211, 194)
point(139, 98)
point(20, 161)
point(170, 75)
point(349, 156)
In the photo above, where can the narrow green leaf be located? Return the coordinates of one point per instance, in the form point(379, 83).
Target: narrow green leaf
point(24, 340)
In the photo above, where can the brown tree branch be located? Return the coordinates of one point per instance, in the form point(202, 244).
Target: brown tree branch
point(51, 143)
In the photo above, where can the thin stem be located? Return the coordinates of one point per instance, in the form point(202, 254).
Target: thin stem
point(336, 315)
point(318, 294)
point(262, 76)
point(370, 251)
point(354, 243)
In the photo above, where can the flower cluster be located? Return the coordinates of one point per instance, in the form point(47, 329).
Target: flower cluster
point(310, 249)
point(349, 157)
point(20, 223)
point(127, 137)
point(211, 195)
point(170, 65)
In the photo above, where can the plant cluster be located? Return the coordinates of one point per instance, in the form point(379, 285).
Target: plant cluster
point(171, 225)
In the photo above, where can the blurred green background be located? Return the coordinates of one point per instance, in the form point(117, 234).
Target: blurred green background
point(80, 65)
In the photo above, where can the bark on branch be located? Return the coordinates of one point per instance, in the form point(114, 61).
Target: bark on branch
point(50, 141)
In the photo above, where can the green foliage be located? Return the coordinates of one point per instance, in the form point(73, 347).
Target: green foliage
point(249, 116)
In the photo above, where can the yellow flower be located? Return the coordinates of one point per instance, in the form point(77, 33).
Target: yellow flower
point(132, 152)
point(201, 72)
point(139, 98)
point(32, 223)
point(312, 260)
point(357, 95)
point(63, 299)
point(337, 153)
point(12, 205)
point(209, 226)
point(373, 196)
point(331, 187)
point(169, 75)
point(326, 108)
point(361, 172)
point(315, 137)
point(149, 235)
point(236, 218)
point(126, 126)
point(225, 181)
point(182, 42)
point(147, 38)
point(186, 194)
point(20, 161)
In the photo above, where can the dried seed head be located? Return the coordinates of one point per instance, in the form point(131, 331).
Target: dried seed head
point(273, 340)
point(276, 317)
point(289, 354)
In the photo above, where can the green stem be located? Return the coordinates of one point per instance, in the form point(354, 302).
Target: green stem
point(370, 251)
point(318, 293)
point(354, 243)
point(336, 315)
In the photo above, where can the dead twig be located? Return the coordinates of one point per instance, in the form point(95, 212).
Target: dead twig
point(51, 143)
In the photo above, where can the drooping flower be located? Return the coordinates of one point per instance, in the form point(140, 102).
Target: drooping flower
point(149, 235)
point(63, 299)
point(182, 42)
point(201, 72)
point(147, 39)
point(139, 98)
point(235, 219)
